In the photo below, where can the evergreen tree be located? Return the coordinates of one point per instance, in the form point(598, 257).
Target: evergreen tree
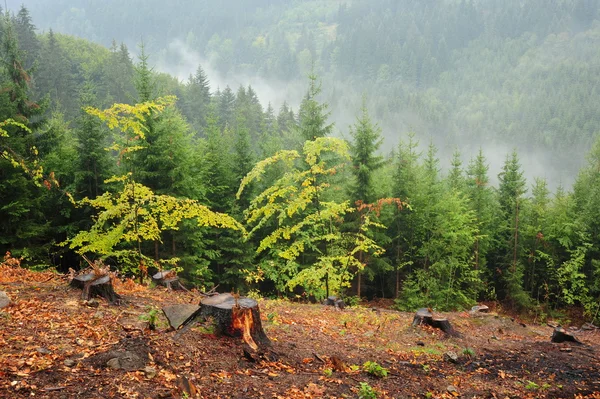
point(55, 77)
point(366, 140)
point(226, 108)
point(483, 203)
point(93, 162)
point(23, 226)
point(119, 73)
point(197, 99)
point(511, 189)
point(27, 38)
point(312, 116)
point(404, 228)
point(456, 179)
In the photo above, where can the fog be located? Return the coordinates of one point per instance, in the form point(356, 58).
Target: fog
point(179, 59)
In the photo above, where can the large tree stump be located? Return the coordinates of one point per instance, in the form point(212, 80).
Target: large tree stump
point(236, 317)
point(95, 285)
point(425, 316)
point(169, 279)
point(561, 335)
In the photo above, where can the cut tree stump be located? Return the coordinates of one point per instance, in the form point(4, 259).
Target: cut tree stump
point(93, 285)
point(561, 335)
point(4, 300)
point(236, 317)
point(169, 279)
point(334, 301)
point(425, 316)
point(479, 309)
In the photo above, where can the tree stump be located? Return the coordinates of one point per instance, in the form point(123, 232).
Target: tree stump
point(561, 335)
point(425, 316)
point(95, 285)
point(479, 309)
point(169, 279)
point(236, 317)
point(334, 301)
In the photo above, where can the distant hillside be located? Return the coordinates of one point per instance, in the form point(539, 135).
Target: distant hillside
point(497, 73)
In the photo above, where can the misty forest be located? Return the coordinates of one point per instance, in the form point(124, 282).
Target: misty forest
point(435, 153)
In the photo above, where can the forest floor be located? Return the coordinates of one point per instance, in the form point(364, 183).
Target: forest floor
point(53, 345)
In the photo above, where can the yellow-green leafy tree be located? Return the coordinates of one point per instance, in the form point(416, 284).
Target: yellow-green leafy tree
point(300, 241)
point(132, 213)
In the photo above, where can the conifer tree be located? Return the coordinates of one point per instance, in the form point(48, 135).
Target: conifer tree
point(313, 115)
point(28, 40)
point(483, 203)
point(19, 195)
point(366, 140)
point(197, 99)
point(93, 163)
point(511, 190)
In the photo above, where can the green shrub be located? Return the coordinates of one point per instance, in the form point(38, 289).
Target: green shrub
point(375, 369)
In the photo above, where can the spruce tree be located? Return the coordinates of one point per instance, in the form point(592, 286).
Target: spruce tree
point(28, 40)
point(313, 115)
point(511, 190)
point(482, 201)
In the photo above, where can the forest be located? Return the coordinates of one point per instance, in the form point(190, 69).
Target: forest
point(104, 155)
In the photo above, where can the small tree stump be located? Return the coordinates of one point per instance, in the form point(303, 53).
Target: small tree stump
point(236, 317)
point(169, 279)
point(4, 300)
point(425, 316)
point(93, 285)
point(561, 335)
point(479, 309)
point(335, 301)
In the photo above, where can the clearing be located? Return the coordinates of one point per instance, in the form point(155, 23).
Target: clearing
point(54, 345)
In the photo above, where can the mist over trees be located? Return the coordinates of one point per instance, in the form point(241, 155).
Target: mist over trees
point(104, 154)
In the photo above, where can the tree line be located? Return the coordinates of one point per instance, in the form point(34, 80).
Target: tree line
point(103, 156)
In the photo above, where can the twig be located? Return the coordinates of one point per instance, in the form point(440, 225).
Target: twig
point(319, 358)
point(50, 389)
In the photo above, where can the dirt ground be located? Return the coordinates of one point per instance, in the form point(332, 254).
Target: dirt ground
point(53, 345)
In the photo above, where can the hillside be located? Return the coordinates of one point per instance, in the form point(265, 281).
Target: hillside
point(55, 346)
point(494, 74)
